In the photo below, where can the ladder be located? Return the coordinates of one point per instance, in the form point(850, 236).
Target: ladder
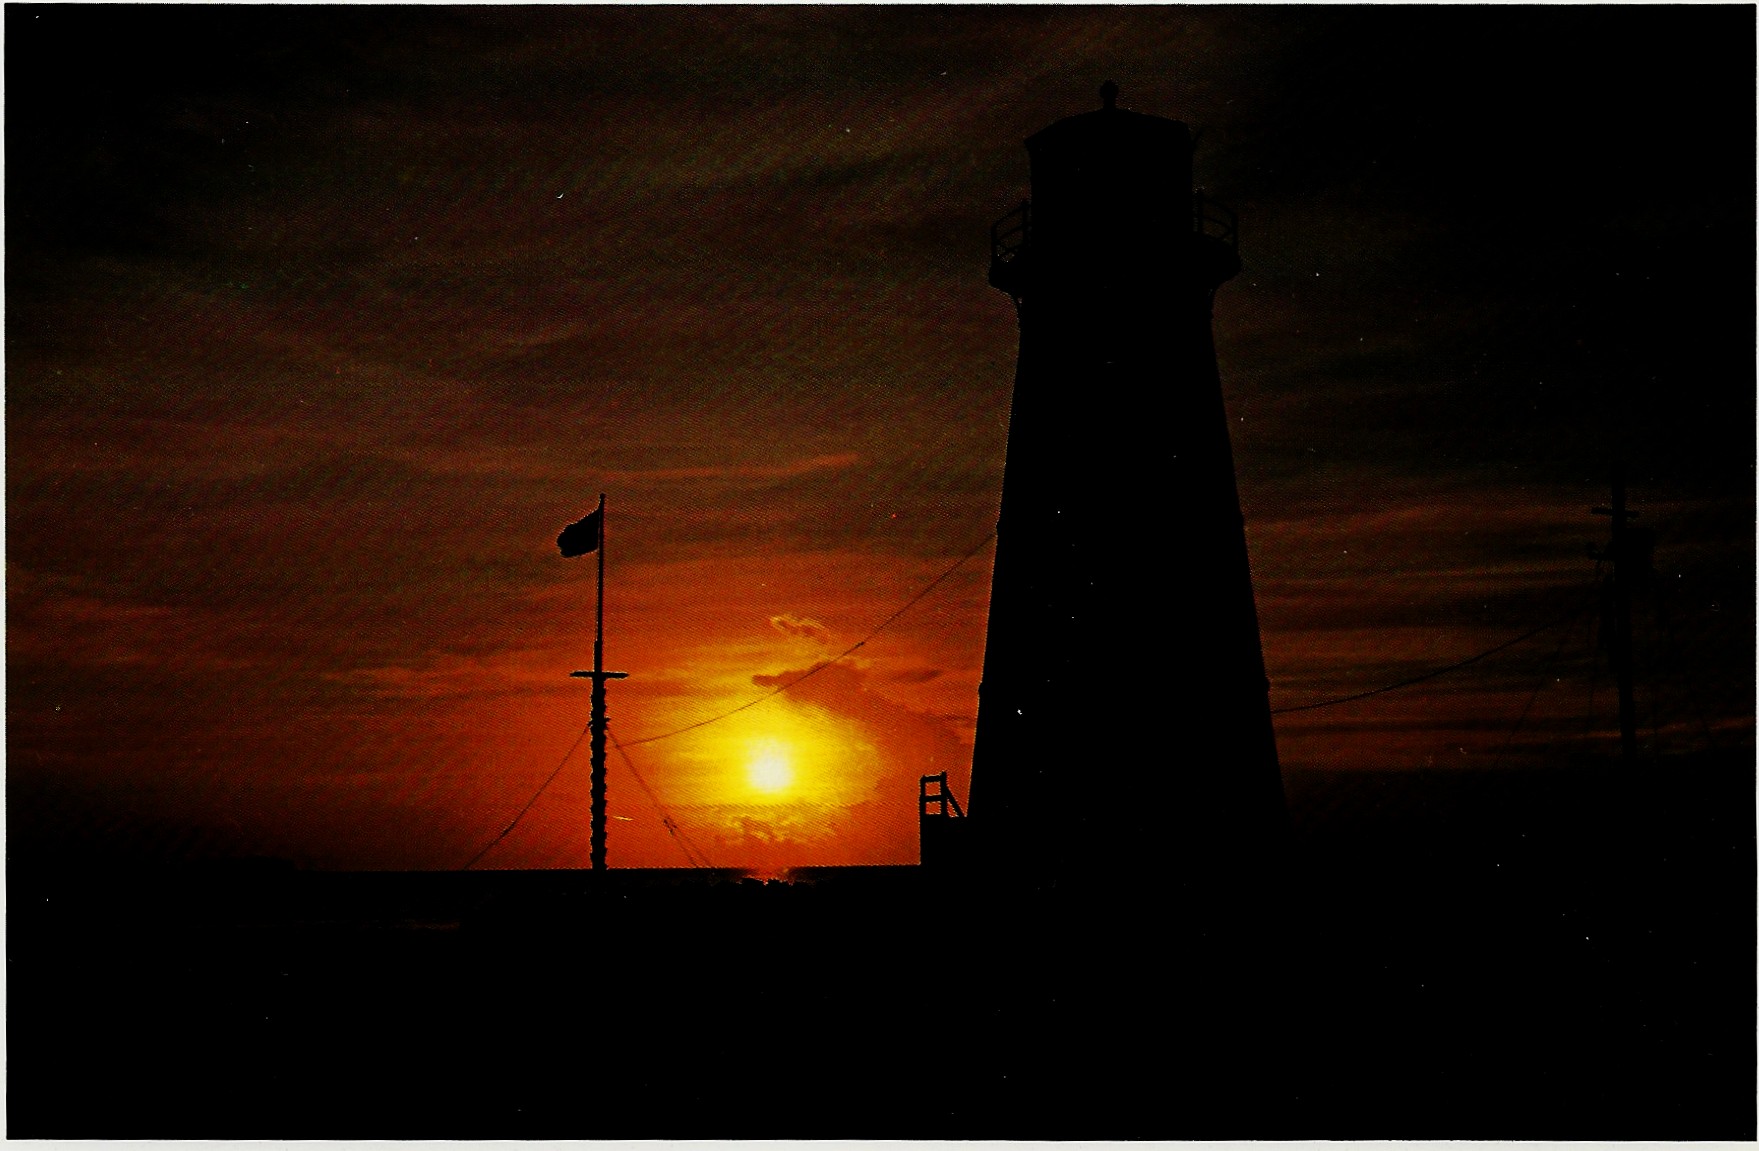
point(933, 791)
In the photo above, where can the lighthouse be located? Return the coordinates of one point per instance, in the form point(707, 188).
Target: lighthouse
point(1124, 733)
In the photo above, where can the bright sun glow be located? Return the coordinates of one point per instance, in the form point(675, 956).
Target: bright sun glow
point(780, 756)
point(769, 768)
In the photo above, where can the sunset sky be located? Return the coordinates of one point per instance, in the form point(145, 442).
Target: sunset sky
point(322, 322)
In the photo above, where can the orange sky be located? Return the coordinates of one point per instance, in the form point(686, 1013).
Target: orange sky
point(311, 352)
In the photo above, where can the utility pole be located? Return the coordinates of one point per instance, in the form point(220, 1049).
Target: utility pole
point(1619, 551)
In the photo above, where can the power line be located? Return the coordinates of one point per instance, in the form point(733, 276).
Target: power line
point(1428, 675)
point(694, 854)
point(1550, 666)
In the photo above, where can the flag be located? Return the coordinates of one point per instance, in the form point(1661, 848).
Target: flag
point(581, 536)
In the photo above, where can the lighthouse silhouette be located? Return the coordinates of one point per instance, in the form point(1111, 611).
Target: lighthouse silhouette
point(1124, 734)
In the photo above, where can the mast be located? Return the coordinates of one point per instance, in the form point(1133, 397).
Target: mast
point(599, 720)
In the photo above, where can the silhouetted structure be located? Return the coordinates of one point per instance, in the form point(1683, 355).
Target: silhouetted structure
point(582, 537)
point(1630, 551)
point(1124, 727)
point(937, 808)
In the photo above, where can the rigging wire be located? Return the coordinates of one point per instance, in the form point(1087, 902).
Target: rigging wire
point(569, 754)
point(698, 859)
point(693, 853)
point(818, 667)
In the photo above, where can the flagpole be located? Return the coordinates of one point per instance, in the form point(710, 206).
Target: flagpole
point(598, 637)
point(598, 704)
point(598, 709)
point(599, 722)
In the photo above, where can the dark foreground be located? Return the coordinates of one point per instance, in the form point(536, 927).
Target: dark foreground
point(1567, 955)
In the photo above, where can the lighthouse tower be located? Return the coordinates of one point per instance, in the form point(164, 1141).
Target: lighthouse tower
point(1124, 733)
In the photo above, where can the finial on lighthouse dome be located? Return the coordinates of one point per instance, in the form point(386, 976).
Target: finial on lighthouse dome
point(1108, 94)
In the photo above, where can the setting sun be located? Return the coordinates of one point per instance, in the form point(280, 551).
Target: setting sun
point(769, 768)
